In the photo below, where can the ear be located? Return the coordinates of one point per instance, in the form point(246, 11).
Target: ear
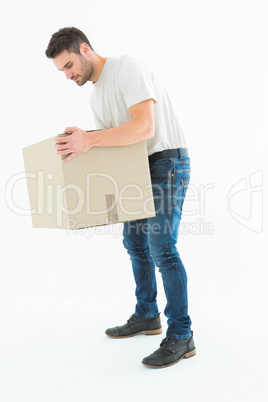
point(84, 49)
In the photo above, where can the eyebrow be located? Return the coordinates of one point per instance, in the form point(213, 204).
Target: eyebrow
point(61, 69)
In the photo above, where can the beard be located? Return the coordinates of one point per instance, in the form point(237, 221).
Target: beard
point(85, 72)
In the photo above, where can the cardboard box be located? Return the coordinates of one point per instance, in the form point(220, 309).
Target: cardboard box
point(104, 185)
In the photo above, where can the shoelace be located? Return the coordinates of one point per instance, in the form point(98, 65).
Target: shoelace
point(132, 319)
point(169, 341)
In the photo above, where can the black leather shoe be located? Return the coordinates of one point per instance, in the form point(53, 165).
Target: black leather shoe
point(136, 325)
point(171, 351)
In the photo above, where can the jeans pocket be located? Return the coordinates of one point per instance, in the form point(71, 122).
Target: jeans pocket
point(185, 183)
point(162, 168)
point(182, 165)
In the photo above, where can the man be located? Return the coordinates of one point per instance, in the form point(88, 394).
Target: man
point(130, 105)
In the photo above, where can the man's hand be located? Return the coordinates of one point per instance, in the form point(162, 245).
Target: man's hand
point(74, 144)
point(139, 128)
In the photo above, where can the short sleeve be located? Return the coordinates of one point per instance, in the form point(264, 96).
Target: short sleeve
point(136, 82)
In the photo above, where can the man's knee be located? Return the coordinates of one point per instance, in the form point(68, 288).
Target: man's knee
point(163, 255)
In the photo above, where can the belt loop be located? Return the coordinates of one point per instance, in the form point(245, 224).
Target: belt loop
point(179, 153)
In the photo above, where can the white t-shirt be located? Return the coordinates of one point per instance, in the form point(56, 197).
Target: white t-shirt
point(124, 82)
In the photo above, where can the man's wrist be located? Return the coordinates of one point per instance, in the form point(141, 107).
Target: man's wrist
point(93, 138)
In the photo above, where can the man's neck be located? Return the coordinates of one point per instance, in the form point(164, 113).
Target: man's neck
point(99, 63)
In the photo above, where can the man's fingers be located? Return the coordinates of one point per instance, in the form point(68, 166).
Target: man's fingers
point(70, 130)
point(63, 152)
point(65, 139)
point(62, 147)
point(66, 146)
point(71, 156)
point(61, 140)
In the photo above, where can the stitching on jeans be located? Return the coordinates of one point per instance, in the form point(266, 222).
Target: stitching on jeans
point(182, 171)
point(146, 265)
point(174, 265)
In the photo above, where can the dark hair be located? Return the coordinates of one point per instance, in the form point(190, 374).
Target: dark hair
point(68, 39)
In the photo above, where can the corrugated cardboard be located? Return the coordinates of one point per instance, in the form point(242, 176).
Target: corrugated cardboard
point(101, 186)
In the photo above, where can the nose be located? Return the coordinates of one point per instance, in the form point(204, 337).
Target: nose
point(68, 74)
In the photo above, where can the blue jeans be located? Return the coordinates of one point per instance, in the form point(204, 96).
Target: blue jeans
point(152, 241)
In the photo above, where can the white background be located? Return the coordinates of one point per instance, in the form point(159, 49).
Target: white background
point(60, 291)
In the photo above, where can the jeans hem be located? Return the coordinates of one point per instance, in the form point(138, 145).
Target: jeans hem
point(173, 336)
point(147, 315)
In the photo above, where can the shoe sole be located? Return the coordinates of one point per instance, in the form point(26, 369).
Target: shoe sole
point(185, 356)
point(146, 332)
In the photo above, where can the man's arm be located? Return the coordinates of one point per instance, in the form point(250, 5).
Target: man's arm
point(140, 127)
